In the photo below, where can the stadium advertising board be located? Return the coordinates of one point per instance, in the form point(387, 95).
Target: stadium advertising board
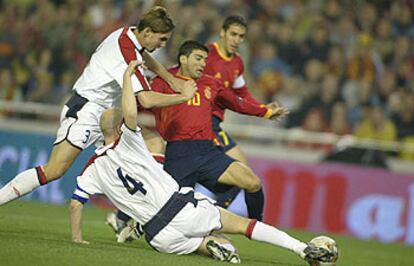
point(368, 203)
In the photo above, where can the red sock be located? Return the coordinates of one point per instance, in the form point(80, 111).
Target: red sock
point(41, 175)
point(250, 228)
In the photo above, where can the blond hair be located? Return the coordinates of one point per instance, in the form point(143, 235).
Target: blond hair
point(157, 19)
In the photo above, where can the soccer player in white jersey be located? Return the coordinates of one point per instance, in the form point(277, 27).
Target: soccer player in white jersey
point(96, 90)
point(174, 220)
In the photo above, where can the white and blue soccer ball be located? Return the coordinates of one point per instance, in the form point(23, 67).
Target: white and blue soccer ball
point(328, 244)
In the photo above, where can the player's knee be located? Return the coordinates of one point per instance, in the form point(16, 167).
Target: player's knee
point(253, 184)
point(245, 178)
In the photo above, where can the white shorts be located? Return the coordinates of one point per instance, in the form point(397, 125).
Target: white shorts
point(185, 233)
point(82, 130)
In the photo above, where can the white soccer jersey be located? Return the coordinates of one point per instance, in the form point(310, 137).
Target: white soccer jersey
point(129, 176)
point(101, 80)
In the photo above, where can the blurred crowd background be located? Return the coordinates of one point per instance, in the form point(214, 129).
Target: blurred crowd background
point(341, 66)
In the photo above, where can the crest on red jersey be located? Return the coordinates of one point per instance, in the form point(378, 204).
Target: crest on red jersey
point(207, 92)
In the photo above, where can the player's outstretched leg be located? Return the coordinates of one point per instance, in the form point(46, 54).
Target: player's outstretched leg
point(255, 230)
point(226, 195)
point(254, 201)
point(62, 157)
point(237, 174)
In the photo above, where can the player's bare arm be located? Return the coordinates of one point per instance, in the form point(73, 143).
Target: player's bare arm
point(156, 67)
point(153, 65)
point(75, 213)
point(151, 99)
point(129, 105)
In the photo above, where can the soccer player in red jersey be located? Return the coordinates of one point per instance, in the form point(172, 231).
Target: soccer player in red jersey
point(226, 65)
point(191, 155)
point(190, 120)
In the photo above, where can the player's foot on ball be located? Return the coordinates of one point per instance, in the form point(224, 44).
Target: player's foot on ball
point(313, 255)
point(220, 253)
point(130, 233)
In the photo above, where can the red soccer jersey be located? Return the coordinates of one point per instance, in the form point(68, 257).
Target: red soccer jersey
point(227, 70)
point(192, 120)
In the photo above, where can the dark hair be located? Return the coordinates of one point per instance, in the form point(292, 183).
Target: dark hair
point(188, 47)
point(157, 19)
point(234, 20)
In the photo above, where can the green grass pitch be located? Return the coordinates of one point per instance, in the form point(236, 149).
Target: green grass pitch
point(38, 234)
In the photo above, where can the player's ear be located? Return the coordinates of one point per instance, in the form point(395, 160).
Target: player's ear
point(183, 59)
point(118, 129)
point(147, 31)
point(222, 33)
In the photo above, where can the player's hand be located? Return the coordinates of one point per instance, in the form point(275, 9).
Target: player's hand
point(273, 105)
point(189, 89)
point(80, 241)
point(176, 84)
point(278, 113)
point(132, 67)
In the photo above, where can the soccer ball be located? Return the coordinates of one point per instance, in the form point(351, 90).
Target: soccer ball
point(329, 244)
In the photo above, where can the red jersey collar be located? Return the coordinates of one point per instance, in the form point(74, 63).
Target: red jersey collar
point(174, 70)
point(223, 56)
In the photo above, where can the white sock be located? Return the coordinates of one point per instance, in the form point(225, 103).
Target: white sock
point(269, 234)
point(19, 186)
